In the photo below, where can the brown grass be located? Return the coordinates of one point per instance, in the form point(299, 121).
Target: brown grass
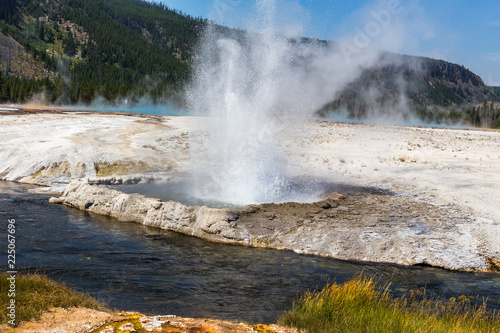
point(36, 293)
point(359, 306)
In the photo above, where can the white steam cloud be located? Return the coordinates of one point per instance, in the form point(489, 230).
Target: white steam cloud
point(256, 85)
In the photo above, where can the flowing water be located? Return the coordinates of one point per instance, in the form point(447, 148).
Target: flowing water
point(136, 268)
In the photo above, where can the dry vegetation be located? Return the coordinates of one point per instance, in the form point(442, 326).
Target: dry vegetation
point(360, 306)
point(36, 293)
point(14, 60)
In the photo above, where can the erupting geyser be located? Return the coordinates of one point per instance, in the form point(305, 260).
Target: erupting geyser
point(254, 86)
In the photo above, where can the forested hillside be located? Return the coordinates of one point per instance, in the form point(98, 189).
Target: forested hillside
point(74, 51)
point(88, 48)
point(435, 91)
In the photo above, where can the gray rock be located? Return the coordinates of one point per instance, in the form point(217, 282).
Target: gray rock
point(56, 200)
point(362, 226)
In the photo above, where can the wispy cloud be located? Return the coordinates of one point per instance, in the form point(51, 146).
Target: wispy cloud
point(493, 23)
point(492, 81)
point(492, 56)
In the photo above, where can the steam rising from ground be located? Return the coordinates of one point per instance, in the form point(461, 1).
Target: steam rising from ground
point(255, 87)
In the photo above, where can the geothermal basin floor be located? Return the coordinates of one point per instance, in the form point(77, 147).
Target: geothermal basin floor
point(457, 169)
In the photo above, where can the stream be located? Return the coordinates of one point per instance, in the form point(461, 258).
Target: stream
point(131, 267)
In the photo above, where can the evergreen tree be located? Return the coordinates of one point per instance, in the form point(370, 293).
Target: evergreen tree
point(41, 31)
point(69, 45)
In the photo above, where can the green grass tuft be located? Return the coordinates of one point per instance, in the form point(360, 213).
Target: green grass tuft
point(360, 306)
point(36, 293)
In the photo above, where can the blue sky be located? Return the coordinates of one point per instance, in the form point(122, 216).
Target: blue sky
point(461, 31)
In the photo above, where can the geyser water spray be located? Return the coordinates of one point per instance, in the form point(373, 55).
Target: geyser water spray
point(254, 87)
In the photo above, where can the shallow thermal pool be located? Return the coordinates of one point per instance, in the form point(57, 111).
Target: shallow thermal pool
point(183, 191)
